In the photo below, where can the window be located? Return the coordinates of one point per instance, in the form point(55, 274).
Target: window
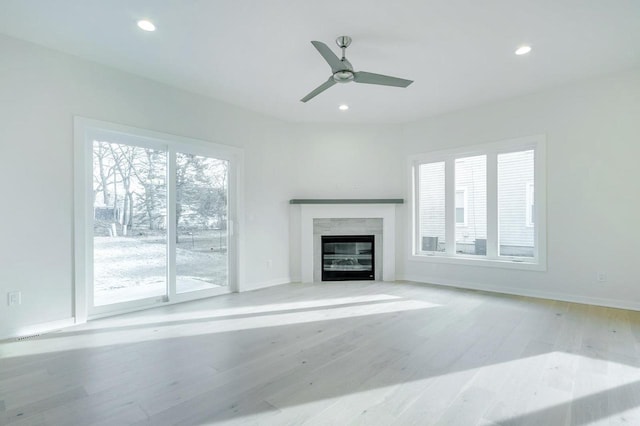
point(515, 169)
point(471, 199)
point(432, 213)
point(481, 204)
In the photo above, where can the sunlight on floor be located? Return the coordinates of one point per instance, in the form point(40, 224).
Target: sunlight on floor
point(550, 399)
point(151, 317)
point(134, 329)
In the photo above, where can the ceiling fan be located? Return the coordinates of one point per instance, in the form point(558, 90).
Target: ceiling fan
point(342, 70)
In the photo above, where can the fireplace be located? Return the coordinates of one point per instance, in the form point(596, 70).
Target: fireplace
point(317, 219)
point(348, 257)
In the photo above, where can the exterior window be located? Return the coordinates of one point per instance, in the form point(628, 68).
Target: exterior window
point(515, 169)
point(432, 213)
point(479, 204)
point(471, 205)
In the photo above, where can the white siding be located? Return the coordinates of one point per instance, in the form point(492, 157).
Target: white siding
point(432, 210)
point(515, 170)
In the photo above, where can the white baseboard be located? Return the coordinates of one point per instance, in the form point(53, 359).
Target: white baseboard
point(265, 284)
point(609, 303)
point(32, 330)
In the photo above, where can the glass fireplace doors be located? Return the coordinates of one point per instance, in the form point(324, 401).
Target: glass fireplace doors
point(348, 257)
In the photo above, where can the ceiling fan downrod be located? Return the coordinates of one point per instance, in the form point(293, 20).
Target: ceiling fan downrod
point(343, 42)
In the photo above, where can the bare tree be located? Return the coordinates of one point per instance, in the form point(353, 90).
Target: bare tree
point(103, 171)
point(124, 156)
point(133, 181)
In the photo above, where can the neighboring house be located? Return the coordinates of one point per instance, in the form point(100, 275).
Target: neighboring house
point(515, 204)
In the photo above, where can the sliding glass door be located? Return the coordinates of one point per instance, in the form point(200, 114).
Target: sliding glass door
point(157, 219)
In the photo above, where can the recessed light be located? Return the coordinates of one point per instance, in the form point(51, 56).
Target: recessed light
point(343, 107)
point(523, 50)
point(146, 25)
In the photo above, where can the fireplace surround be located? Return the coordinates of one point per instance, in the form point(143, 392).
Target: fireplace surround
point(354, 209)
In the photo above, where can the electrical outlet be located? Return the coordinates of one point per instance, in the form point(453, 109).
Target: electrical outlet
point(14, 298)
point(601, 277)
point(269, 264)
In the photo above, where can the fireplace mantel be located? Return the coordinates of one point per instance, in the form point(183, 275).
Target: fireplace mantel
point(384, 211)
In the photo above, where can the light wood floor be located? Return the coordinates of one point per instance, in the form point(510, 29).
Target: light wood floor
point(339, 353)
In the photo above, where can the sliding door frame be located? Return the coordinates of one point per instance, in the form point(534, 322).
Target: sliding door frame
point(85, 132)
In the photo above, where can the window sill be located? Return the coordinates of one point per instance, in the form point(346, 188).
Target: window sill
point(482, 262)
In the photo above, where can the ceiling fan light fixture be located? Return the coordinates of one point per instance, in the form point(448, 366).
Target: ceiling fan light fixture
point(523, 50)
point(146, 25)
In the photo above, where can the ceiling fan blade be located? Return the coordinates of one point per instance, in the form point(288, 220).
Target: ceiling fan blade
point(384, 80)
point(328, 55)
point(315, 92)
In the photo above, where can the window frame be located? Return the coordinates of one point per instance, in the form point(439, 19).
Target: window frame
point(538, 262)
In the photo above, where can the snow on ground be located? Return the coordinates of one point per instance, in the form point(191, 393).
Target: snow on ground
point(134, 267)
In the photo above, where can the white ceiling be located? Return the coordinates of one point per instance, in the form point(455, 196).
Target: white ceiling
point(256, 54)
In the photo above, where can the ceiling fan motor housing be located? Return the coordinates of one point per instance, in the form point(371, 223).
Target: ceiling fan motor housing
point(343, 76)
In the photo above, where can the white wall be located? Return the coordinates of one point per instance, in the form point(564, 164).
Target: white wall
point(40, 92)
point(593, 188)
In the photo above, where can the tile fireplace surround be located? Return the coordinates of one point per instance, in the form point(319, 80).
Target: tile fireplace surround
point(347, 209)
